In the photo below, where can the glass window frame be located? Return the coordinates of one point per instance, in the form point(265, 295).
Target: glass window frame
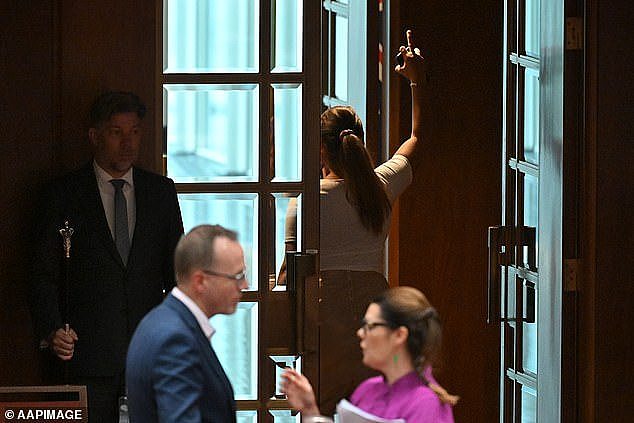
point(265, 185)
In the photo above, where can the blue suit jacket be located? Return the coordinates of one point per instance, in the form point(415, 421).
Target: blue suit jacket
point(173, 373)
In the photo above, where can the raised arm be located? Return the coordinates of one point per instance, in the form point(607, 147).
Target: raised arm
point(414, 69)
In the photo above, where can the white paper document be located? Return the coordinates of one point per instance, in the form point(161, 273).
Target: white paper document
point(348, 413)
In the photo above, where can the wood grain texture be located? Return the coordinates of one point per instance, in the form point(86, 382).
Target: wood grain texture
point(456, 193)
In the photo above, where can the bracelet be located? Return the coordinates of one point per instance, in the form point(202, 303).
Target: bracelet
point(413, 84)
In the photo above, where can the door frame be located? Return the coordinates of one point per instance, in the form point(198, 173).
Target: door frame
point(550, 232)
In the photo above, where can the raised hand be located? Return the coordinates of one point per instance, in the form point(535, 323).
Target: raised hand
point(414, 66)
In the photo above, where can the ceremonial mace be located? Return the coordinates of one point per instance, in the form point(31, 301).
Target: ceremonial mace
point(66, 232)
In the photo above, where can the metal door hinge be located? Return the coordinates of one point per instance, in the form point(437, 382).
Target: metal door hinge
point(571, 269)
point(574, 33)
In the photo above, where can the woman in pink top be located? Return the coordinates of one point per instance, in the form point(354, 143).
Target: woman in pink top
point(400, 337)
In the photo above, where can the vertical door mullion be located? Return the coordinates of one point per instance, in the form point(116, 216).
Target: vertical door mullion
point(265, 375)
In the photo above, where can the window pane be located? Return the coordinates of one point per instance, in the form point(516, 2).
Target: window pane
point(236, 344)
point(287, 30)
point(288, 226)
point(284, 416)
point(531, 116)
point(243, 416)
point(211, 36)
point(212, 132)
point(287, 143)
point(281, 363)
point(532, 27)
point(238, 212)
point(341, 57)
point(509, 296)
point(529, 339)
point(531, 208)
point(529, 405)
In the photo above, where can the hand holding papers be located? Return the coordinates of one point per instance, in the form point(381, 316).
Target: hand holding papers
point(348, 413)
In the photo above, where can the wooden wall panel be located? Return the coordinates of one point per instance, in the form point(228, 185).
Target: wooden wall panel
point(26, 159)
point(105, 46)
point(607, 288)
point(456, 193)
point(55, 57)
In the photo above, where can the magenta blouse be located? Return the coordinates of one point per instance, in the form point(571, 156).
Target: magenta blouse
point(408, 398)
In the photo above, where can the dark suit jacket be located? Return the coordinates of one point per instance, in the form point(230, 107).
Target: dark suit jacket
point(106, 300)
point(173, 374)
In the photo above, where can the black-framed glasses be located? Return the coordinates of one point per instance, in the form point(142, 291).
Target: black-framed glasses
point(236, 277)
point(368, 326)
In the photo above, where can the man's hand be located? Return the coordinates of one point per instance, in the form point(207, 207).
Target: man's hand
point(62, 343)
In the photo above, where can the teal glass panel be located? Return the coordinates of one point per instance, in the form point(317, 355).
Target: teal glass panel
point(205, 36)
point(281, 363)
point(288, 224)
point(532, 28)
point(287, 30)
point(531, 210)
point(509, 290)
point(247, 416)
point(529, 405)
point(284, 416)
point(531, 116)
point(211, 132)
point(341, 57)
point(238, 212)
point(287, 143)
point(236, 344)
point(529, 335)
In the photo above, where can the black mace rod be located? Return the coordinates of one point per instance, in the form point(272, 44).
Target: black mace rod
point(66, 232)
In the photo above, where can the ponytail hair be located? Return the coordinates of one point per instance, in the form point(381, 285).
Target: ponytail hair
point(407, 306)
point(344, 153)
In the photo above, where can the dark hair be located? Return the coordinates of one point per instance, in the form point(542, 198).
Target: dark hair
point(195, 250)
point(113, 102)
point(345, 154)
point(407, 306)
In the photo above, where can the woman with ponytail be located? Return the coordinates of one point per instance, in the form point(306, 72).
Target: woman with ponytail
point(400, 337)
point(355, 204)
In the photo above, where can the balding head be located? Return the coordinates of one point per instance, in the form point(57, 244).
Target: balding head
point(210, 269)
point(195, 250)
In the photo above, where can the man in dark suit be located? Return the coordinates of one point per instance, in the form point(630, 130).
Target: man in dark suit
point(173, 374)
point(122, 225)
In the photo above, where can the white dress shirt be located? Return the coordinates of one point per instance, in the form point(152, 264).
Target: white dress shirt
point(106, 190)
point(201, 318)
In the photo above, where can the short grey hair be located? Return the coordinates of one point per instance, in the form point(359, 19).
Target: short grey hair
point(195, 250)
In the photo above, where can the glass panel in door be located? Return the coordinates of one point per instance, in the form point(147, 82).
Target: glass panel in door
point(521, 160)
point(241, 127)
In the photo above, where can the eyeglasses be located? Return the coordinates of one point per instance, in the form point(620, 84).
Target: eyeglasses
point(368, 326)
point(236, 277)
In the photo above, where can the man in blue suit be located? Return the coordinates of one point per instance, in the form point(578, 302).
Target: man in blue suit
point(172, 372)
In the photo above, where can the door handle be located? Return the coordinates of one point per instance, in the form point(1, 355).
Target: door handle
point(502, 241)
point(497, 258)
point(299, 266)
